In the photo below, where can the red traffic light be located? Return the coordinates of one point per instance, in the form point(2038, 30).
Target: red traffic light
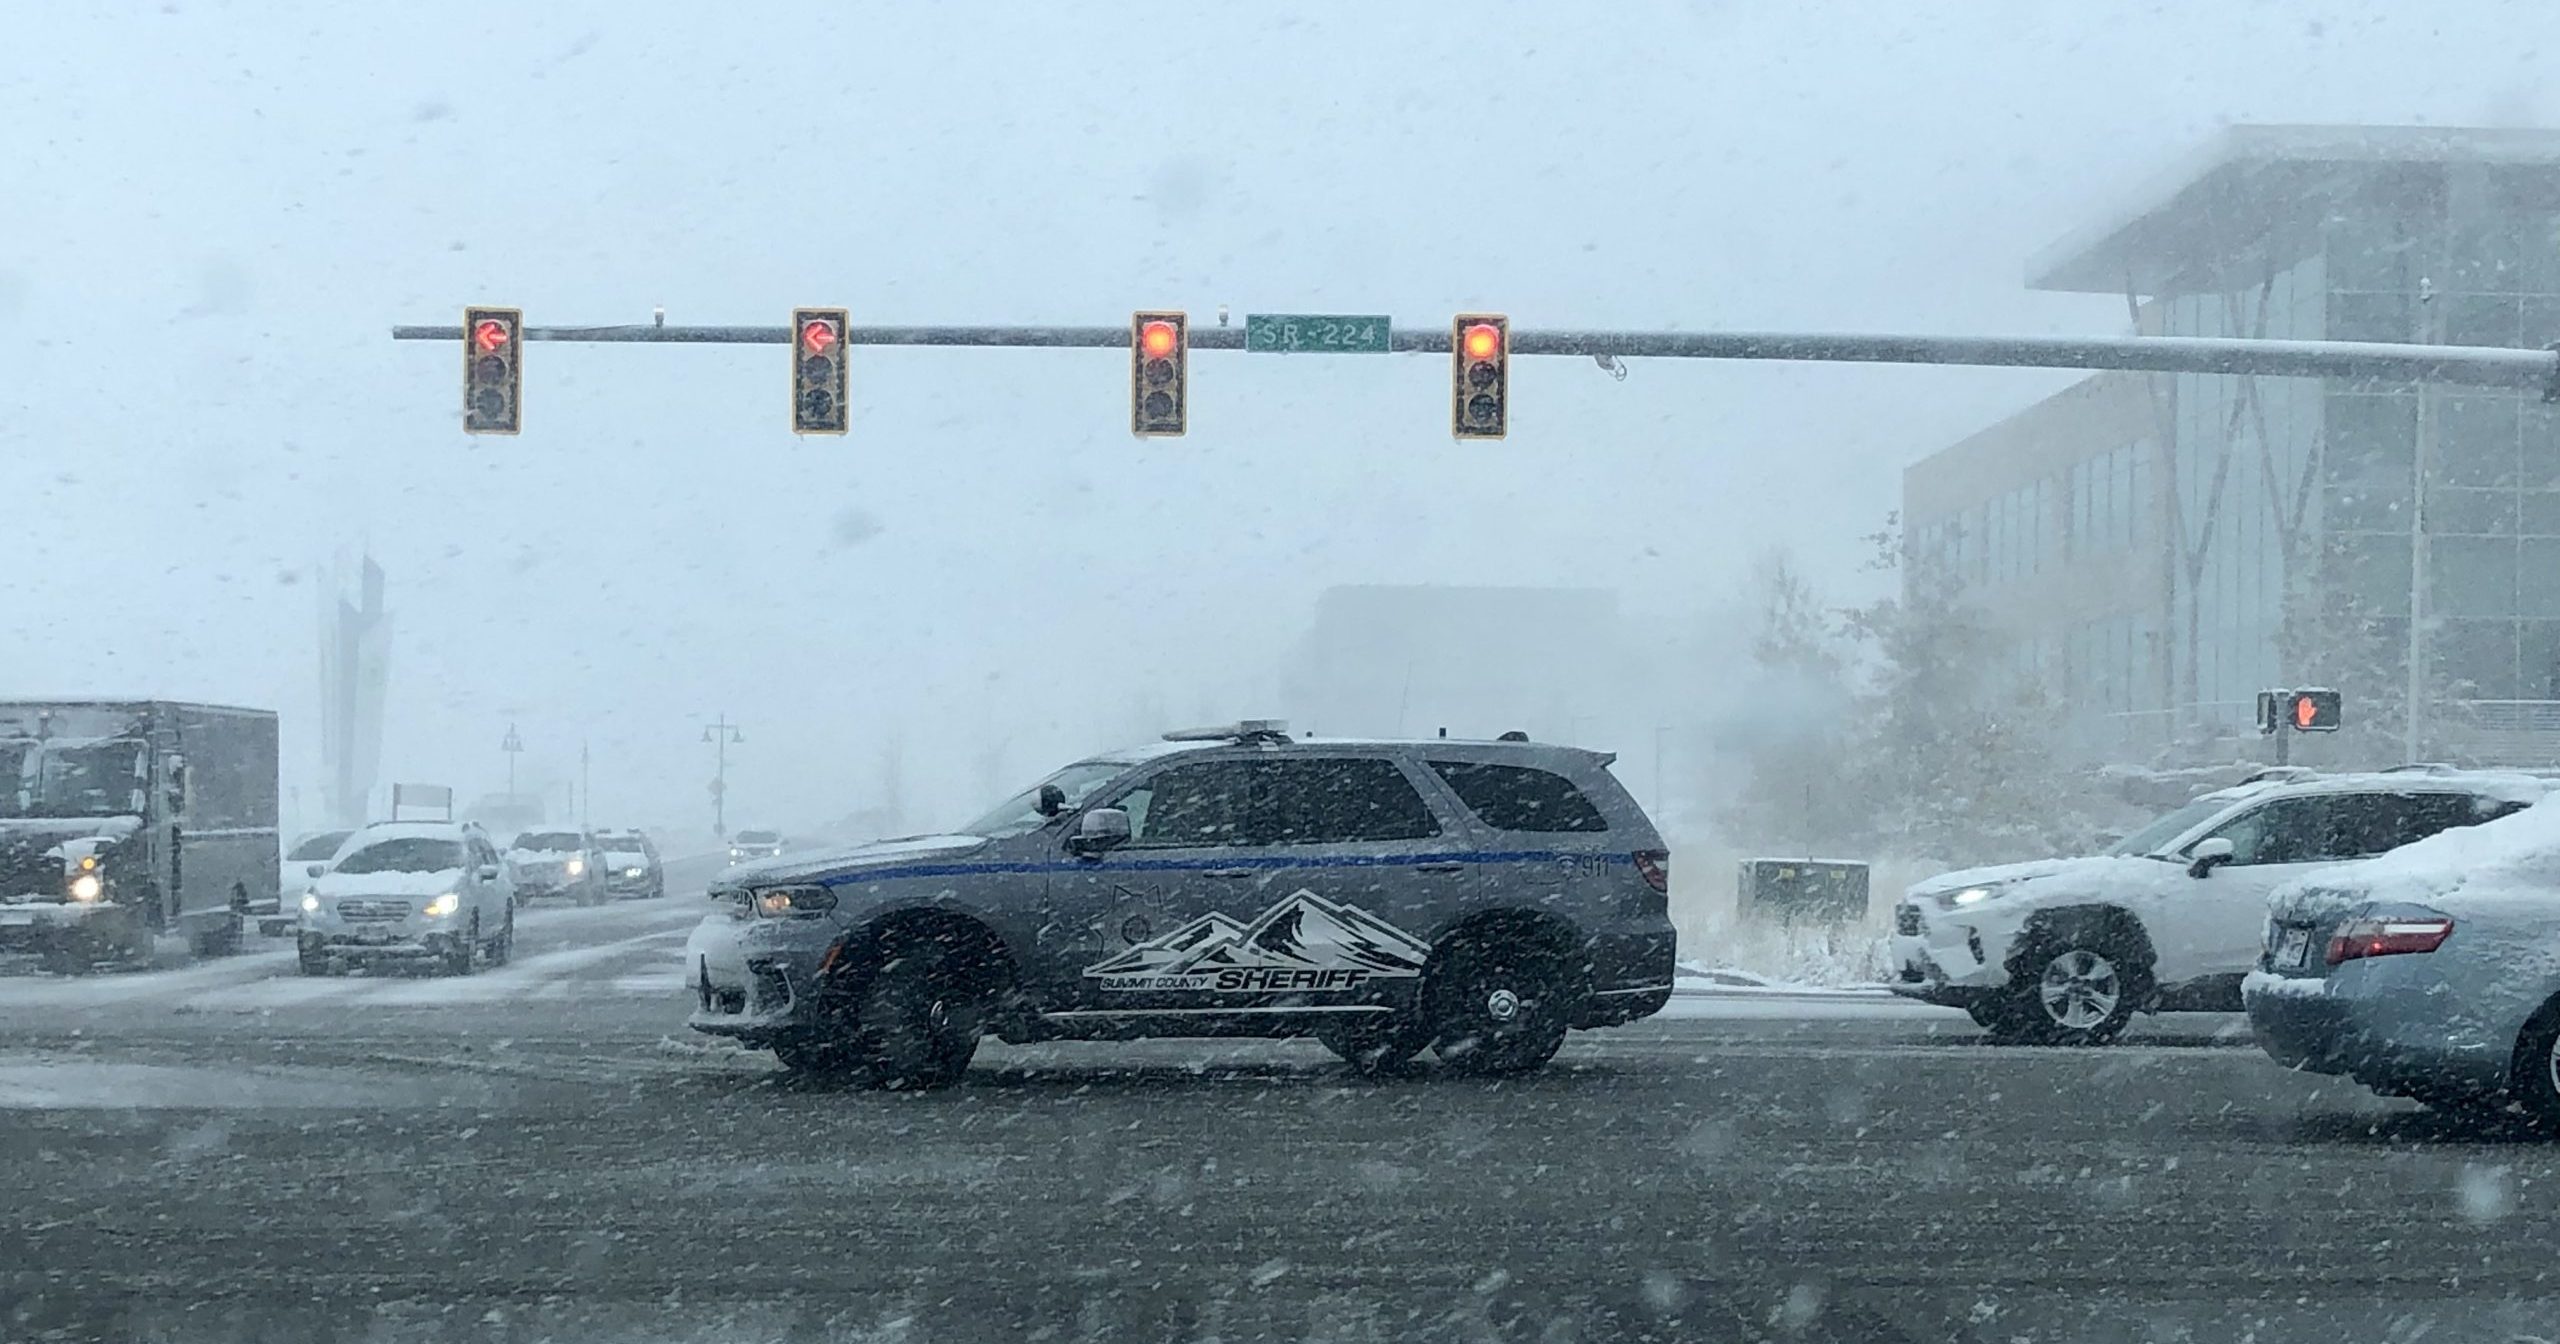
point(1482, 341)
point(2306, 711)
point(489, 334)
point(1158, 339)
point(816, 335)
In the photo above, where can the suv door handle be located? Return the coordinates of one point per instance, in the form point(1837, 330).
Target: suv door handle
point(1441, 867)
point(1229, 872)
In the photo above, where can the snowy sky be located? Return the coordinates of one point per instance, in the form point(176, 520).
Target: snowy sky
point(218, 210)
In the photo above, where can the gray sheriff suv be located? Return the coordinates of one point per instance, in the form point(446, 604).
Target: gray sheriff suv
point(1477, 898)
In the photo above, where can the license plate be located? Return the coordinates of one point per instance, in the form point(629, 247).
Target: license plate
point(2293, 948)
point(17, 916)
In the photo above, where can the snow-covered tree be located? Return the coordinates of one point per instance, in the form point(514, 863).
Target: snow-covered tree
point(1793, 729)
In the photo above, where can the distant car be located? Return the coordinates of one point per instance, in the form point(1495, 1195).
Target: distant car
point(1477, 898)
point(748, 845)
point(631, 866)
point(410, 891)
point(311, 852)
point(558, 863)
point(2066, 951)
point(2426, 973)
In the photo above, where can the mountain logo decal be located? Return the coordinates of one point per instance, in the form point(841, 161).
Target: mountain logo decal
point(1303, 943)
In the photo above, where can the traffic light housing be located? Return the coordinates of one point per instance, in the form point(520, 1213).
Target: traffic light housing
point(1159, 374)
point(1479, 376)
point(492, 370)
point(818, 386)
point(2318, 711)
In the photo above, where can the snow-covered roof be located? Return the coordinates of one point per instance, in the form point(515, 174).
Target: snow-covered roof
point(2506, 785)
point(412, 830)
point(2516, 853)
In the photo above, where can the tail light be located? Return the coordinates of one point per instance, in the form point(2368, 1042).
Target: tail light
point(2359, 938)
point(1654, 866)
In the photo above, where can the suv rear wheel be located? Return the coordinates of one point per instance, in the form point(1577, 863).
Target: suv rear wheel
point(1498, 1008)
point(2070, 989)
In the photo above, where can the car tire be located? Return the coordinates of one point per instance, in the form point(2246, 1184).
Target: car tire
point(458, 958)
point(2533, 1076)
point(916, 1023)
point(314, 960)
point(1378, 1043)
point(67, 956)
point(502, 949)
point(1497, 1008)
point(2073, 990)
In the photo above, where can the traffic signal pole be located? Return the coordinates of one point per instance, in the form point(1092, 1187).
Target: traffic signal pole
point(2465, 366)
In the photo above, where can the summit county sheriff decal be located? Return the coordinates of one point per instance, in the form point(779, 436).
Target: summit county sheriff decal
point(1304, 942)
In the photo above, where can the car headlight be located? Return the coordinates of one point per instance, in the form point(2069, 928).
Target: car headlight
point(1969, 896)
point(575, 866)
point(635, 872)
point(87, 887)
point(785, 902)
point(310, 902)
point(445, 904)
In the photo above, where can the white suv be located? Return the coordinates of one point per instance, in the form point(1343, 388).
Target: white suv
point(2065, 951)
point(410, 891)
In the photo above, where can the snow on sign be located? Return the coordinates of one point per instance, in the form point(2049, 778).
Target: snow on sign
point(1316, 333)
point(1303, 943)
point(431, 798)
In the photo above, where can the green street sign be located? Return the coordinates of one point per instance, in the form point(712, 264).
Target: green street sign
point(1315, 333)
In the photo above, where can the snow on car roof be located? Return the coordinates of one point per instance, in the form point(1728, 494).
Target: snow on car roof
point(413, 830)
point(2505, 785)
point(1152, 751)
point(2483, 858)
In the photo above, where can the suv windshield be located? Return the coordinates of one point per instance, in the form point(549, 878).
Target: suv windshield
point(1021, 814)
point(317, 847)
point(2149, 840)
point(74, 779)
point(409, 854)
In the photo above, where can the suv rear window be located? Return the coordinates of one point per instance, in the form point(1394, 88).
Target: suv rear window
point(1521, 797)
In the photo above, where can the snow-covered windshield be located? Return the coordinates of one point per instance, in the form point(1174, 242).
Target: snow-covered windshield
point(1021, 814)
point(2154, 838)
point(409, 854)
point(317, 847)
point(551, 842)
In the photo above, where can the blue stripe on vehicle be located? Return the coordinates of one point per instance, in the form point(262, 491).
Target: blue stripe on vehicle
point(1273, 862)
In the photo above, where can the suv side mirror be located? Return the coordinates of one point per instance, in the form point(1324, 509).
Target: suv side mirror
point(488, 872)
point(1098, 832)
point(315, 870)
point(2208, 854)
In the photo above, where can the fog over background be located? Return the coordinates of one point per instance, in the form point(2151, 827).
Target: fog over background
point(218, 211)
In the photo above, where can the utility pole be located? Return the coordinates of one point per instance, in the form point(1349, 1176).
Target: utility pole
point(586, 789)
point(720, 733)
point(1660, 731)
point(513, 746)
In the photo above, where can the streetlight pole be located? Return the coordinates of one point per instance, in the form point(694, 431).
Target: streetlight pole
point(720, 733)
point(513, 746)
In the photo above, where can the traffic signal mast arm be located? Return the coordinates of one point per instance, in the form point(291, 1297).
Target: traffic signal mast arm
point(2471, 366)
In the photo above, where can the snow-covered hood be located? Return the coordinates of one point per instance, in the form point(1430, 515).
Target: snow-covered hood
point(331, 886)
point(856, 858)
point(2073, 878)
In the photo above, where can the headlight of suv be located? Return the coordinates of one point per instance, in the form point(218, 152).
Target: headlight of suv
point(635, 872)
point(310, 902)
point(1957, 900)
point(444, 905)
point(787, 902)
point(86, 887)
point(575, 866)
